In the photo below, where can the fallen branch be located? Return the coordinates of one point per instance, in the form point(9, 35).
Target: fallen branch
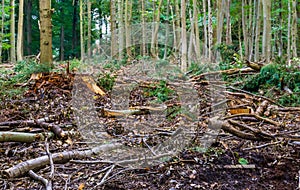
point(61, 157)
point(23, 137)
point(47, 184)
point(255, 116)
point(39, 122)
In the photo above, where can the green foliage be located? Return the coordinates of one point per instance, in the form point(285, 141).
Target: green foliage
point(278, 76)
point(229, 56)
point(243, 161)
point(160, 90)
point(107, 81)
point(25, 68)
point(20, 74)
point(74, 64)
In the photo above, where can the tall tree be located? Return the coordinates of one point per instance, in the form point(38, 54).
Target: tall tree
point(20, 31)
point(183, 37)
point(2, 27)
point(12, 31)
point(89, 36)
point(266, 51)
point(113, 28)
point(28, 8)
point(120, 28)
point(45, 31)
point(81, 29)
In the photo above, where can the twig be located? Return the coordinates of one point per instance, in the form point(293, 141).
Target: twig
point(262, 146)
point(103, 180)
point(46, 183)
point(253, 115)
point(257, 96)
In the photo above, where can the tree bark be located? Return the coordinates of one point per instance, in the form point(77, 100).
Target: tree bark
point(228, 23)
point(20, 31)
point(266, 51)
point(74, 33)
point(120, 28)
point(28, 27)
point(89, 35)
point(257, 31)
point(113, 28)
point(128, 15)
point(183, 37)
point(12, 31)
point(81, 30)
point(45, 32)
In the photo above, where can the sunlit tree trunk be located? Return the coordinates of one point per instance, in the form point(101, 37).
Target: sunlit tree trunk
point(228, 23)
point(196, 28)
point(244, 28)
point(294, 28)
point(154, 40)
point(12, 31)
point(113, 28)
point(45, 32)
point(266, 51)
point(143, 27)
point(167, 31)
point(177, 24)
point(205, 30)
point(257, 31)
point(183, 37)
point(210, 31)
point(220, 21)
point(128, 15)
point(121, 28)
point(20, 31)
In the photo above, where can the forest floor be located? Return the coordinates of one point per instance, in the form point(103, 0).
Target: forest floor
point(257, 148)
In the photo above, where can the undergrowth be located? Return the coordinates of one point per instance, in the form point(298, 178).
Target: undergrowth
point(11, 80)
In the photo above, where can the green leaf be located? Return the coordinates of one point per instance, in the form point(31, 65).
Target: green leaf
point(243, 161)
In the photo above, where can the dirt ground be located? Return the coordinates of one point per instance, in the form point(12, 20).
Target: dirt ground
point(271, 164)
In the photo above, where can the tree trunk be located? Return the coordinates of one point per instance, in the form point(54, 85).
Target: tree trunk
point(210, 31)
point(128, 15)
point(228, 23)
point(12, 31)
point(74, 33)
point(113, 28)
point(267, 30)
point(183, 37)
point(244, 28)
point(205, 31)
point(2, 28)
point(197, 35)
point(62, 48)
point(28, 27)
point(121, 28)
point(220, 20)
point(154, 40)
point(257, 31)
point(45, 32)
point(143, 28)
point(294, 28)
point(81, 30)
point(89, 36)
point(20, 32)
